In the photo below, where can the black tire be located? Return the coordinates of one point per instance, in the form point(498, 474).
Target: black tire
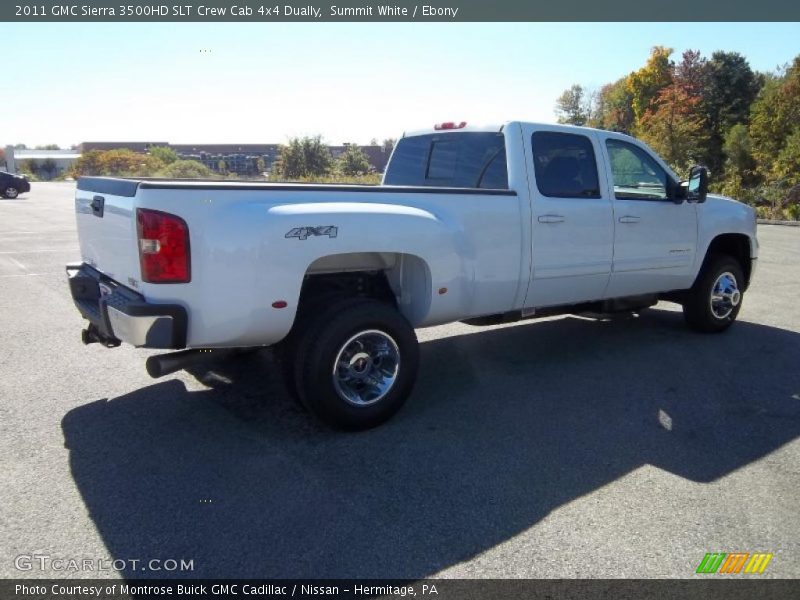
point(383, 336)
point(10, 192)
point(286, 350)
point(700, 312)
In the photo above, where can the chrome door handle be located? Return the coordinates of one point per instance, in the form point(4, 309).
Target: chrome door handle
point(551, 218)
point(629, 219)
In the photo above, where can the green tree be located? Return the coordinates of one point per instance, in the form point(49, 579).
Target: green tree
point(186, 169)
point(352, 161)
point(740, 166)
point(573, 106)
point(645, 84)
point(48, 147)
point(303, 157)
point(164, 154)
point(730, 89)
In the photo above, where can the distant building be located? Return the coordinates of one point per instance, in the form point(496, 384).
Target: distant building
point(44, 164)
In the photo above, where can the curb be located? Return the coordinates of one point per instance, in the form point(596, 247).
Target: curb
point(774, 222)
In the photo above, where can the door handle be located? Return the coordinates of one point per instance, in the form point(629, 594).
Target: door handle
point(97, 205)
point(551, 218)
point(629, 219)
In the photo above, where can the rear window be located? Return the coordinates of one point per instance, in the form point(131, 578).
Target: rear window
point(465, 159)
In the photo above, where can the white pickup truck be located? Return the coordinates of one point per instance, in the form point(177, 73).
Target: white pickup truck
point(484, 225)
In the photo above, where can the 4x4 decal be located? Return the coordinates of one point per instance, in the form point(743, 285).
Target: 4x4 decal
point(302, 233)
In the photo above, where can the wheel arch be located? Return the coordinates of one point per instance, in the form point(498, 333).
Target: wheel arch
point(400, 278)
point(736, 245)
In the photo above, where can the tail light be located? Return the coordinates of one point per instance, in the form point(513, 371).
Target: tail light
point(163, 247)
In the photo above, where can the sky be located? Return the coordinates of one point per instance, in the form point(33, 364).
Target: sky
point(253, 82)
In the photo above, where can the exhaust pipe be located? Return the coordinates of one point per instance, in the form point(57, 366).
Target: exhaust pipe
point(164, 364)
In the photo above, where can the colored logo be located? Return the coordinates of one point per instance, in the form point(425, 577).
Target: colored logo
point(734, 562)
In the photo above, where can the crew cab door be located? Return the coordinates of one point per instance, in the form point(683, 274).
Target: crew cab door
point(655, 238)
point(572, 227)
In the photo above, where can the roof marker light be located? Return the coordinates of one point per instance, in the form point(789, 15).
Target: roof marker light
point(450, 125)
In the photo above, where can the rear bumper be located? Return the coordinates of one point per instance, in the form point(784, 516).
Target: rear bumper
point(117, 313)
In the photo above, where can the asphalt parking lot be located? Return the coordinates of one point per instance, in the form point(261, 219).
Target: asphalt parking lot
point(567, 447)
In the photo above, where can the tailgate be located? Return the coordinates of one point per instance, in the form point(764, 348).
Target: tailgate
point(105, 214)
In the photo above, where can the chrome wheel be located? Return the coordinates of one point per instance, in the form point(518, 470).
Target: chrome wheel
point(11, 192)
point(725, 295)
point(366, 367)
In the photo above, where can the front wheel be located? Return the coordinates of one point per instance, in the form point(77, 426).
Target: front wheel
point(10, 192)
point(715, 299)
point(356, 364)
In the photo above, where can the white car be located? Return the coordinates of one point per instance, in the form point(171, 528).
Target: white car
point(477, 224)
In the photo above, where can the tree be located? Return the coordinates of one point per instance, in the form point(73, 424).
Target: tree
point(573, 106)
point(352, 161)
point(738, 151)
point(261, 165)
point(31, 166)
point(645, 84)
point(612, 108)
point(692, 73)
point(388, 145)
point(673, 128)
point(48, 147)
point(49, 167)
point(774, 119)
point(731, 87)
point(303, 157)
point(164, 154)
point(186, 169)
point(120, 162)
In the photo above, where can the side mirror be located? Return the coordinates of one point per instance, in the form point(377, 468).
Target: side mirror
point(697, 188)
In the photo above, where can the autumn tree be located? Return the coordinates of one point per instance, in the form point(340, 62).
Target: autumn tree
point(612, 108)
point(120, 162)
point(775, 118)
point(645, 84)
point(673, 128)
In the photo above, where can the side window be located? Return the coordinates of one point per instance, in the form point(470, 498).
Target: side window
point(636, 175)
point(565, 165)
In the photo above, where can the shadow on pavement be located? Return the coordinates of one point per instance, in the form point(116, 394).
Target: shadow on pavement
point(504, 427)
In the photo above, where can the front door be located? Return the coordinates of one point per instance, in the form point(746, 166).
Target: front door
point(572, 225)
point(655, 239)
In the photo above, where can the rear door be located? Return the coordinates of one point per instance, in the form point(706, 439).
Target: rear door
point(655, 239)
point(572, 236)
point(105, 215)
